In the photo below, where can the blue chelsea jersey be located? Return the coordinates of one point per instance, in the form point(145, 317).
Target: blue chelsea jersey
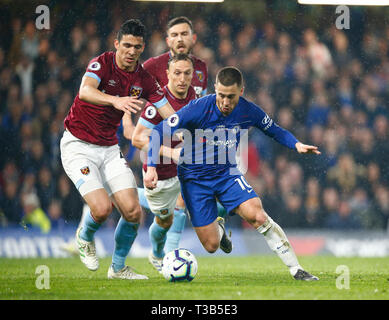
point(211, 138)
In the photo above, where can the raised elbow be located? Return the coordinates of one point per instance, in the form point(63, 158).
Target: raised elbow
point(82, 94)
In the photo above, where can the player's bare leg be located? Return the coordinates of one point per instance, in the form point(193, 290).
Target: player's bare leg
point(209, 236)
point(253, 212)
point(127, 203)
point(100, 208)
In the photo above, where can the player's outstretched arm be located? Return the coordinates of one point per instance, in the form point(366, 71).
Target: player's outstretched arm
point(90, 93)
point(150, 179)
point(140, 139)
point(305, 148)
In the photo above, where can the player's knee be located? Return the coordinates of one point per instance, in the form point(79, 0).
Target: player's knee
point(132, 214)
point(255, 214)
point(102, 210)
point(260, 218)
point(256, 217)
point(211, 247)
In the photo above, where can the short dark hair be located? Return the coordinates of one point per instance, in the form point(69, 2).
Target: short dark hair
point(228, 76)
point(179, 20)
point(179, 57)
point(133, 27)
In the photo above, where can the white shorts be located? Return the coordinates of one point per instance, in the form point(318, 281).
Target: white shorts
point(93, 167)
point(162, 199)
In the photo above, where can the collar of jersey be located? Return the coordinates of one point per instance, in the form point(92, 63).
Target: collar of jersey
point(173, 96)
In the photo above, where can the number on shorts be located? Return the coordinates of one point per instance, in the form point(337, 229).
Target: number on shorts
point(243, 183)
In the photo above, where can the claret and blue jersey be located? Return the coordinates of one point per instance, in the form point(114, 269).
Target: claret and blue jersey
point(210, 143)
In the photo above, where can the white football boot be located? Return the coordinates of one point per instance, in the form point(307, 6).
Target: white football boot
point(87, 251)
point(125, 273)
point(156, 262)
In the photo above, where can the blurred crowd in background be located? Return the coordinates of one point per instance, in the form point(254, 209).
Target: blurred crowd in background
point(329, 87)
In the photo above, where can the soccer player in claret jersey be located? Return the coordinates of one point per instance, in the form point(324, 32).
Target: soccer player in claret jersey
point(180, 38)
point(111, 87)
point(212, 128)
point(162, 200)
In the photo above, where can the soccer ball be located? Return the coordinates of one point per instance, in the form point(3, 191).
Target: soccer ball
point(179, 265)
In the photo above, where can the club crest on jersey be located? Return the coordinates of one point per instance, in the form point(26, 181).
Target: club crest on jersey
point(200, 75)
point(235, 129)
point(136, 91)
point(85, 170)
point(94, 66)
point(164, 211)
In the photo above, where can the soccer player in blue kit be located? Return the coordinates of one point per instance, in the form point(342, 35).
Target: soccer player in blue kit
point(212, 127)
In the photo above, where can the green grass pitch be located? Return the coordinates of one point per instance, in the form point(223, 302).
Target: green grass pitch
point(218, 278)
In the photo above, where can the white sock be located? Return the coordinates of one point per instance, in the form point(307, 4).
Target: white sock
point(278, 242)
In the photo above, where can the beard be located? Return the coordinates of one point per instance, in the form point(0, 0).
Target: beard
point(188, 50)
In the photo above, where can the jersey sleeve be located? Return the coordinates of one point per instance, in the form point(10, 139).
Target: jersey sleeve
point(153, 91)
point(186, 118)
point(150, 116)
point(268, 126)
point(96, 68)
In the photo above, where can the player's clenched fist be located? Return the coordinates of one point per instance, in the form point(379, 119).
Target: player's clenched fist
point(127, 104)
point(150, 179)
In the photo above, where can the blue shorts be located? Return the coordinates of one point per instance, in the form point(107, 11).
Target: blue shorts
point(200, 196)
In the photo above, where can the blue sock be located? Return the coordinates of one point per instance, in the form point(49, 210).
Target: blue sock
point(157, 236)
point(142, 199)
point(175, 231)
point(89, 227)
point(125, 235)
point(221, 211)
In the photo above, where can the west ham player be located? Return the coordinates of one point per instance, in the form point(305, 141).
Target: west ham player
point(110, 87)
point(162, 200)
point(223, 117)
point(180, 39)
